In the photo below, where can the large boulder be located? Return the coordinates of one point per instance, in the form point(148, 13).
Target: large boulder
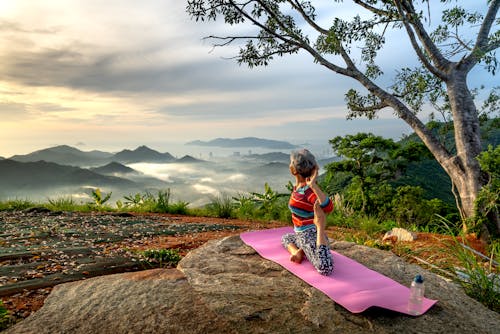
point(226, 287)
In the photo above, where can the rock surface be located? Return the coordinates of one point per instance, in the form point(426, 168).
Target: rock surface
point(226, 287)
point(400, 234)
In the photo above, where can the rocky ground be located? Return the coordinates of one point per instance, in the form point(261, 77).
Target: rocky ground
point(39, 250)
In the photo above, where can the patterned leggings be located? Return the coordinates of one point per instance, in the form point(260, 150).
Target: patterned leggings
point(320, 257)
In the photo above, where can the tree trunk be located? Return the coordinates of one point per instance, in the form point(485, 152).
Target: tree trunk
point(464, 169)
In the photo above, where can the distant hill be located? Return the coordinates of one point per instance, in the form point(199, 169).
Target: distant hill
point(326, 161)
point(189, 159)
point(113, 168)
point(64, 155)
point(2, 158)
point(245, 142)
point(269, 169)
point(429, 175)
point(36, 175)
point(142, 154)
point(269, 157)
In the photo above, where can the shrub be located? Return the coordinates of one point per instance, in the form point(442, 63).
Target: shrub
point(479, 279)
point(65, 204)
point(244, 206)
point(221, 206)
point(162, 257)
point(5, 319)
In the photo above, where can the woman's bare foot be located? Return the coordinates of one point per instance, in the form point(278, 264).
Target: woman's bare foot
point(297, 256)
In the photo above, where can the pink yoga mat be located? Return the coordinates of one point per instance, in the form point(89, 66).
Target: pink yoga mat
point(351, 285)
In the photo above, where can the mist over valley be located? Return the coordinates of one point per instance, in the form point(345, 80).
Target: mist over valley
point(64, 171)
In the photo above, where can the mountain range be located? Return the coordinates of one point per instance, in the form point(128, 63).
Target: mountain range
point(63, 170)
point(41, 174)
point(67, 155)
point(245, 142)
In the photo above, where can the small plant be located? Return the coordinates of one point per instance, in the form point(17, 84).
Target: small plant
point(162, 257)
point(244, 206)
point(221, 206)
point(5, 319)
point(270, 204)
point(99, 197)
point(64, 204)
point(180, 208)
point(477, 276)
point(370, 225)
point(162, 202)
point(16, 205)
point(133, 200)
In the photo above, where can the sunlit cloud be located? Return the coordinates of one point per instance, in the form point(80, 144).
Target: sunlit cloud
point(205, 190)
point(127, 71)
point(237, 177)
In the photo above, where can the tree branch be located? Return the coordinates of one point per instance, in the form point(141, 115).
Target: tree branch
point(429, 46)
point(481, 46)
point(372, 9)
point(306, 17)
point(259, 24)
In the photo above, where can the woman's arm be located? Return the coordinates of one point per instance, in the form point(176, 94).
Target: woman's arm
point(322, 197)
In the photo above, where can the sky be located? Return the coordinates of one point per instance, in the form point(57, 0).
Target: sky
point(118, 74)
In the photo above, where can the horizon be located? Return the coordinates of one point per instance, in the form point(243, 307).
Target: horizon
point(181, 149)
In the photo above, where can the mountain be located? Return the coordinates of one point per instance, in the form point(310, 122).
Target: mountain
point(429, 174)
point(189, 159)
point(270, 169)
point(64, 155)
point(113, 168)
point(37, 175)
point(2, 158)
point(142, 154)
point(245, 142)
point(269, 157)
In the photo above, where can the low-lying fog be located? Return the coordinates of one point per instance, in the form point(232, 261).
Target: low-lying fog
point(198, 183)
point(195, 183)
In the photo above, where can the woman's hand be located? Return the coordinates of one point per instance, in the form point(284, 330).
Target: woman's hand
point(311, 180)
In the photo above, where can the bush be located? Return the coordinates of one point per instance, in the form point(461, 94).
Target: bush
point(162, 257)
point(221, 206)
point(5, 319)
point(477, 274)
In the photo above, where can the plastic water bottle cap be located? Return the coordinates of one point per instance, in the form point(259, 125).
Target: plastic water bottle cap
point(419, 279)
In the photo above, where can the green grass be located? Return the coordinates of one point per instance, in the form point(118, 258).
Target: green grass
point(16, 205)
point(477, 275)
point(221, 206)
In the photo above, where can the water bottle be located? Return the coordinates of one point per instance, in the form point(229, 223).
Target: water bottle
point(416, 295)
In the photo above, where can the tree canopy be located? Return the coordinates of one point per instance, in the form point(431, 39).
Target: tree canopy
point(448, 40)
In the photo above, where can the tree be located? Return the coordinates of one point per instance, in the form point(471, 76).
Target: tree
point(372, 161)
point(446, 58)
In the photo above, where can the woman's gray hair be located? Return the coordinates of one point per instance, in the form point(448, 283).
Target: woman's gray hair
point(303, 162)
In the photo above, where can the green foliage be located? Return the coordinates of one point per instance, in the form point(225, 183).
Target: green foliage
point(271, 204)
point(487, 202)
point(477, 274)
point(371, 225)
point(221, 206)
point(369, 163)
point(148, 202)
point(5, 319)
point(245, 206)
point(65, 204)
point(409, 208)
point(16, 205)
point(99, 197)
point(162, 257)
